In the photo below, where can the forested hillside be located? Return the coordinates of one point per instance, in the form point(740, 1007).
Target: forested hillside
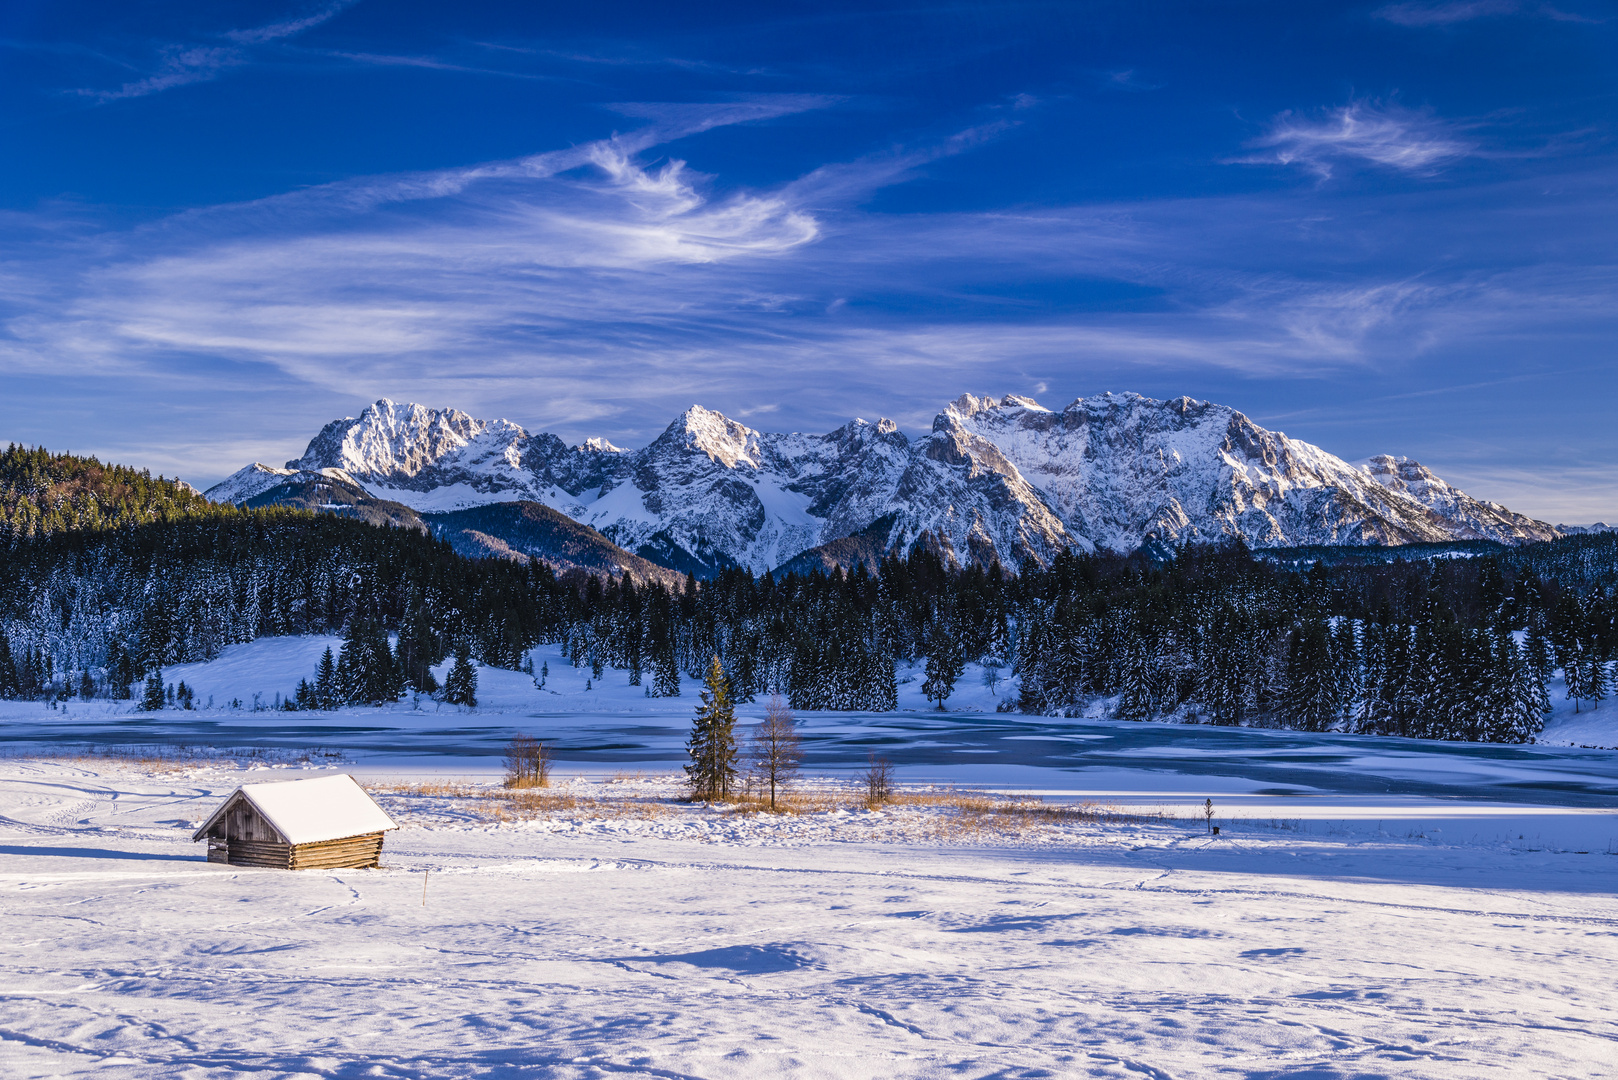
point(43, 493)
point(1457, 648)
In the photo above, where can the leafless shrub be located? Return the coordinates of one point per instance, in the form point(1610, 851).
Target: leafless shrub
point(527, 762)
point(878, 778)
point(776, 751)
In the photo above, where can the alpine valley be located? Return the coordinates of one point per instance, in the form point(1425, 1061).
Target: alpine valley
point(1002, 479)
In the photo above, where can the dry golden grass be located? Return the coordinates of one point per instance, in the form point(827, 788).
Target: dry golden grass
point(530, 803)
point(956, 816)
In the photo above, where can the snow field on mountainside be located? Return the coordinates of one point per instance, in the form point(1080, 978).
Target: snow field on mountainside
point(488, 949)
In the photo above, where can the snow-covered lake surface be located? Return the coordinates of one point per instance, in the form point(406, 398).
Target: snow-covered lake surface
point(686, 942)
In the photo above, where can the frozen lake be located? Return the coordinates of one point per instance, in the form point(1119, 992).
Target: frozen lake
point(1005, 750)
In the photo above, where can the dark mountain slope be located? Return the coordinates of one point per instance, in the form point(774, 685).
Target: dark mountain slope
point(328, 495)
point(529, 530)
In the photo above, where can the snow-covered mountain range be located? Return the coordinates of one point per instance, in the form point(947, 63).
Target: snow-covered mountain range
point(995, 478)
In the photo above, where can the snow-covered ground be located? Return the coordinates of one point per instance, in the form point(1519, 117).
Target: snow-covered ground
point(609, 931)
point(267, 669)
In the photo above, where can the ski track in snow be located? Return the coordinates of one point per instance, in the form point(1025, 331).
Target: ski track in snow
point(710, 945)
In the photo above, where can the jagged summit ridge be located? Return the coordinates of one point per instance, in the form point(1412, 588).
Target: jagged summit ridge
point(996, 478)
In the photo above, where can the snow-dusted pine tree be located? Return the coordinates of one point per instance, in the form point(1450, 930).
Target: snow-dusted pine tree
point(461, 684)
point(712, 745)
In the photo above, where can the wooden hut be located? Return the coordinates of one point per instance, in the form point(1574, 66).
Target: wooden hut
point(320, 824)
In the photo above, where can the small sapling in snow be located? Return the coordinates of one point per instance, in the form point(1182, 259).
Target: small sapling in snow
point(777, 752)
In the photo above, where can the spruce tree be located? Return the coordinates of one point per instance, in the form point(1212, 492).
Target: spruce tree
point(1573, 662)
point(1537, 654)
point(10, 686)
point(1345, 658)
point(154, 698)
point(944, 666)
point(1594, 678)
point(666, 680)
point(1135, 685)
point(461, 684)
point(325, 694)
point(712, 744)
point(1310, 700)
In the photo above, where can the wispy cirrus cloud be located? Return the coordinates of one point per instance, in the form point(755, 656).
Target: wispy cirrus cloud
point(1360, 132)
point(184, 64)
point(1455, 12)
point(1445, 14)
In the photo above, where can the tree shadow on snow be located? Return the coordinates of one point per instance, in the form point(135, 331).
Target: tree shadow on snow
point(736, 959)
point(1587, 870)
point(97, 853)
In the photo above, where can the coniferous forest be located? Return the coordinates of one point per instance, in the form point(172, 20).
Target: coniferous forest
point(108, 576)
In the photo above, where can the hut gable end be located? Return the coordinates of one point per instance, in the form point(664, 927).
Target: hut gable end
point(238, 819)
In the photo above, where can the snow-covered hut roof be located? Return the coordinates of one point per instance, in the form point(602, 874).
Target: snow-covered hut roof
point(309, 811)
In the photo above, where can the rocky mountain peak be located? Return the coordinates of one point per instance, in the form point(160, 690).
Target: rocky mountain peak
point(392, 440)
point(722, 439)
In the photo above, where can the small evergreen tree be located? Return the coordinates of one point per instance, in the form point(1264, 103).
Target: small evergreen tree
point(154, 699)
point(10, 685)
point(324, 692)
point(1594, 676)
point(944, 666)
point(121, 673)
point(461, 684)
point(712, 745)
point(666, 681)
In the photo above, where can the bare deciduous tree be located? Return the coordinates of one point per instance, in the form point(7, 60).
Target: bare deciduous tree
point(878, 780)
point(527, 762)
point(777, 753)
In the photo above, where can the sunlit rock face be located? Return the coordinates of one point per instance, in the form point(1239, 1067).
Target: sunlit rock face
point(996, 479)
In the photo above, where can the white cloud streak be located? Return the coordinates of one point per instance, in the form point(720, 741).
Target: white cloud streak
point(1360, 132)
point(1445, 14)
point(182, 65)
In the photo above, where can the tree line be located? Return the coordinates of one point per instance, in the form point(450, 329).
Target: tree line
point(1458, 648)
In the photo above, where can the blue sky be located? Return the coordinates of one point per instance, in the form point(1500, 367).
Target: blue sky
point(1379, 227)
